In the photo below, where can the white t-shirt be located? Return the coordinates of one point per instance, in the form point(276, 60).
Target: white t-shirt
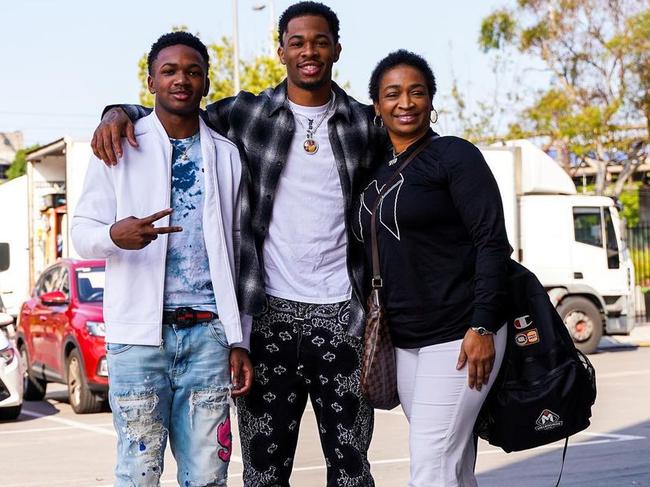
point(305, 249)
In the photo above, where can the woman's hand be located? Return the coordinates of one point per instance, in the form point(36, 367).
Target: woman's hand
point(478, 352)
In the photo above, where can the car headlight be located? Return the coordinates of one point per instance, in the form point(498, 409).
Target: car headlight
point(7, 355)
point(96, 328)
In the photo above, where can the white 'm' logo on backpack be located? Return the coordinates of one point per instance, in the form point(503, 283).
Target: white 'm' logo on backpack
point(548, 420)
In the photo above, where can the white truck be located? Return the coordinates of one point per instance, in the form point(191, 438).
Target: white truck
point(34, 217)
point(571, 241)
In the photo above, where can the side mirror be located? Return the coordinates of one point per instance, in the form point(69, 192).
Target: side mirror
point(54, 298)
point(6, 319)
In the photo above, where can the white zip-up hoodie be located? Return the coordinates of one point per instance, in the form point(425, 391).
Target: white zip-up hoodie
point(139, 186)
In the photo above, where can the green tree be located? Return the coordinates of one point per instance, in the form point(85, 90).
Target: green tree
point(19, 165)
point(597, 53)
point(255, 75)
point(630, 200)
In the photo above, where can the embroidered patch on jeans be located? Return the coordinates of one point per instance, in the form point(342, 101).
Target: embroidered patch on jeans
point(224, 438)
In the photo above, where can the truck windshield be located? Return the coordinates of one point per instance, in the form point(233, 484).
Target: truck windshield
point(588, 226)
point(90, 284)
point(613, 261)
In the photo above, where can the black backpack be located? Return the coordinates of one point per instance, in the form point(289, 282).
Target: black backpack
point(545, 387)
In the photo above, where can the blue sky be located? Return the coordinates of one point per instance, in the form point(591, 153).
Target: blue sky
point(63, 60)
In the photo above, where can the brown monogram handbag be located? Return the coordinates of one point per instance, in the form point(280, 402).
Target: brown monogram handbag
point(378, 369)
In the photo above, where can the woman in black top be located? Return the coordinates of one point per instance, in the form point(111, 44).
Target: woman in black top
point(443, 251)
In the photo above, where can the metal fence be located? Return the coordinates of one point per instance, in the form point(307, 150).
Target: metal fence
point(638, 243)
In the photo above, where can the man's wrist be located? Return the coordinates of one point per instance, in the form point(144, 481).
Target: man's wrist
point(110, 110)
point(112, 236)
point(239, 347)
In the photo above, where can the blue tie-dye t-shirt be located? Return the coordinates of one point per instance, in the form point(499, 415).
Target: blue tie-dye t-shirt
point(187, 274)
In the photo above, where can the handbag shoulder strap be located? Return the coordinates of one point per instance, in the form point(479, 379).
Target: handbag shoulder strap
point(376, 275)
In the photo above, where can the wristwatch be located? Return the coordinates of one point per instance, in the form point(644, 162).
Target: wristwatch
point(481, 330)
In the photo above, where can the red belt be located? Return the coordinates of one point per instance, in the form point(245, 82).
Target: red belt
point(185, 317)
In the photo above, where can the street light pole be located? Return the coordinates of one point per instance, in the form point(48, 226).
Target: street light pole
point(272, 21)
point(235, 48)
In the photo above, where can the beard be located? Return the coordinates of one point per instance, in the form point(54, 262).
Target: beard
point(311, 85)
point(314, 85)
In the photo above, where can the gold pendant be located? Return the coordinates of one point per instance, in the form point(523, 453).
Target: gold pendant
point(310, 146)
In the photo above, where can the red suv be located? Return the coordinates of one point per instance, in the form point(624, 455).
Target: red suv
point(61, 334)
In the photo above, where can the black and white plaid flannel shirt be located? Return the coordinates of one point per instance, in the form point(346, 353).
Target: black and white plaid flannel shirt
point(263, 127)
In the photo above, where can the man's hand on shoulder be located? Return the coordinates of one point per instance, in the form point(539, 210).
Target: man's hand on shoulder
point(107, 143)
point(133, 233)
point(241, 371)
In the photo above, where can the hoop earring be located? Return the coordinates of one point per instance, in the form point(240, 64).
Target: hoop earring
point(378, 124)
point(435, 119)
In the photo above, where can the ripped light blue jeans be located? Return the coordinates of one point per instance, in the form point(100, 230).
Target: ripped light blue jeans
point(179, 390)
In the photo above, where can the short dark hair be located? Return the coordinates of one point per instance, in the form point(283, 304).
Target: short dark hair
point(397, 58)
point(301, 9)
point(173, 39)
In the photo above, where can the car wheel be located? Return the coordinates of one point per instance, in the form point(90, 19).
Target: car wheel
point(33, 388)
point(10, 413)
point(82, 399)
point(584, 322)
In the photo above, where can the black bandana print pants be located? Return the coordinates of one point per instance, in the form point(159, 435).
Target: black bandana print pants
point(302, 350)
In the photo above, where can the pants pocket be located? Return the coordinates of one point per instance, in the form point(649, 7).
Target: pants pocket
point(218, 333)
point(115, 348)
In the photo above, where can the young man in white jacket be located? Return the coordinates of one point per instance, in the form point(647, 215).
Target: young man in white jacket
point(174, 334)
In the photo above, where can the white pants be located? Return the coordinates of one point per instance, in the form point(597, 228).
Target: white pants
point(441, 410)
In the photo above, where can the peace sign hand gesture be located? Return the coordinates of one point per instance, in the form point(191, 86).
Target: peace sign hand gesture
point(133, 233)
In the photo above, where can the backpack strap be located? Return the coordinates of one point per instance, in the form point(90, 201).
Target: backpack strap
point(566, 444)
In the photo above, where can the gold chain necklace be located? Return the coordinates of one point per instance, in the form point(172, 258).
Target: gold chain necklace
point(184, 157)
point(310, 145)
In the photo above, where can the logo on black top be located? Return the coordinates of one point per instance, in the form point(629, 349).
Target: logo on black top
point(522, 322)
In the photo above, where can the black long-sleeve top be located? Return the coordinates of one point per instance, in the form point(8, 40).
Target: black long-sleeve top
point(442, 241)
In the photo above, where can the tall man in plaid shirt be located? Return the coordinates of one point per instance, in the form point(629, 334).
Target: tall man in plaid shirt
point(304, 144)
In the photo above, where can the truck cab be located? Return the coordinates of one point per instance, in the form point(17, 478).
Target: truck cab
point(574, 246)
point(572, 242)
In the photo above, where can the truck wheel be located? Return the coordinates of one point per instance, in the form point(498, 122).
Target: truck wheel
point(584, 322)
point(33, 387)
point(82, 399)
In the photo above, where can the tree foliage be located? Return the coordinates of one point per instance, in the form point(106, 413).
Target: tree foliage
point(19, 165)
point(481, 122)
point(255, 75)
point(596, 108)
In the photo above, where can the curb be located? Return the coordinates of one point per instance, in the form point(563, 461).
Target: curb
point(614, 343)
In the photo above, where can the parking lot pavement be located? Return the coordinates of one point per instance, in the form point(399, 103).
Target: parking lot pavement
point(51, 446)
